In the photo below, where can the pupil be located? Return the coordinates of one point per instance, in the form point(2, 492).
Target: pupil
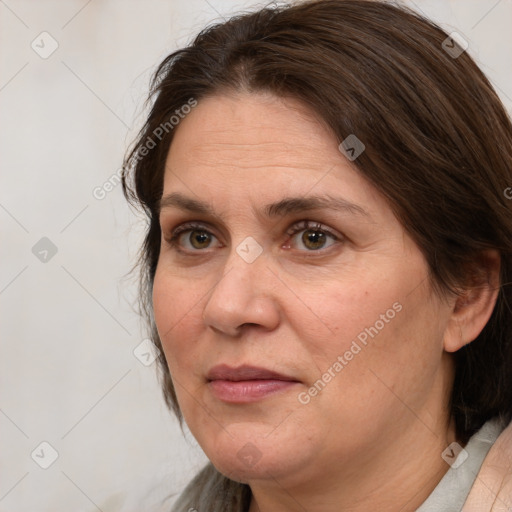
point(199, 236)
point(316, 238)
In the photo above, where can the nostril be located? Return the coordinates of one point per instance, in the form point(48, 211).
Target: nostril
point(248, 324)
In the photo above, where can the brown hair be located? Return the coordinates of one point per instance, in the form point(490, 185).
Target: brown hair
point(438, 147)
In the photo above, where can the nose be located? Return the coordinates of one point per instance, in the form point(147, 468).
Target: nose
point(244, 295)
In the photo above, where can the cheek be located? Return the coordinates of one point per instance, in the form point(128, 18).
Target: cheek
point(391, 327)
point(374, 364)
point(345, 312)
point(398, 348)
point(177, 317)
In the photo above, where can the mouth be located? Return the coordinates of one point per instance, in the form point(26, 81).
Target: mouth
point(245, 384)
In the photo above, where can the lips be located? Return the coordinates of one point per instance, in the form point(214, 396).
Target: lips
point(224, 372)
point(245, 384)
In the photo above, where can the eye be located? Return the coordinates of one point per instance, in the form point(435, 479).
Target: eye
point(314, 236)
point(192, 237)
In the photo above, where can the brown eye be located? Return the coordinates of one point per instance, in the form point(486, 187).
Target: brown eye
point(313, 239)
point(199, 239)
point(314, 236)
point(190, 238)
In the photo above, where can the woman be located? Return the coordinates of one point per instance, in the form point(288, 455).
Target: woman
point(328, 261)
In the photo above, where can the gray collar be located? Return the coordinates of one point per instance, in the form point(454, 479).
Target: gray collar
point(453, 489)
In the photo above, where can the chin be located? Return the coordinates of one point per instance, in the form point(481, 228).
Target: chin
point(255, 444)
point(247, 470)
point(250, 457)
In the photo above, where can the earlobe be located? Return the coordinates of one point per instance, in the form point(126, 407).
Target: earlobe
point(473, 308)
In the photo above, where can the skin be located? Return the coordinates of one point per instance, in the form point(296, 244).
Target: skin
point(372, 438)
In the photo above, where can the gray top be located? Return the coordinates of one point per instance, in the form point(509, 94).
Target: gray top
point(453, 489)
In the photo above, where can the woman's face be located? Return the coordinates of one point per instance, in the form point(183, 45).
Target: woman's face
point(339, 309)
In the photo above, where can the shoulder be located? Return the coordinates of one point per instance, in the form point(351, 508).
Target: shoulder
point(492, 490)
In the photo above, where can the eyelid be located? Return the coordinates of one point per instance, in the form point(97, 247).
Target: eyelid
point(189, 226)
point(301, 225)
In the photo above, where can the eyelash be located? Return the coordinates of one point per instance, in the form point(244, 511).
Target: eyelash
point(303, 225)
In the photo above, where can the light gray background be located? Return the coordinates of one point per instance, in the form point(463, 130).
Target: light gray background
point(68, 372)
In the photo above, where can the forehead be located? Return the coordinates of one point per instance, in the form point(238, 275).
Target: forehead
point(234, 147)
point(254, 126)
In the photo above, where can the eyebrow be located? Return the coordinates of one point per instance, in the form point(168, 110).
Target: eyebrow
point(281, 208)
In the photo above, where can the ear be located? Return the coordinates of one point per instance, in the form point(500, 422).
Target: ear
point(474, 305)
